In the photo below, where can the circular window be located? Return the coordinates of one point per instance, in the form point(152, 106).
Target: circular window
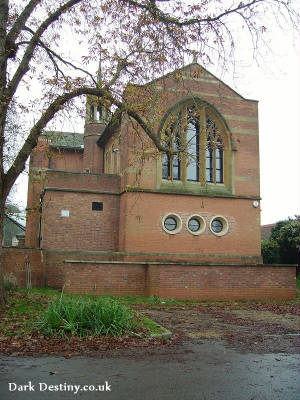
point(172, 223)
point(195, 224)
point(219, 225)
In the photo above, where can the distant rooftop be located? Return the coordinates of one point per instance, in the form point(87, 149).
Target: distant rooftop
point(266, 231)
point(19, 220)
point(65, 140)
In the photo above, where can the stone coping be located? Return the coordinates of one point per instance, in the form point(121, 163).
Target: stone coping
point(152, 254)
point(88, 191)
point(22, 248)
point(179, 192)
point(180, 263)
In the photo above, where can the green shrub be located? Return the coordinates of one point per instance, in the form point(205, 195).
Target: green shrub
point(286, 234)
point(87, 317)
point(270, 251)
point(9, 286)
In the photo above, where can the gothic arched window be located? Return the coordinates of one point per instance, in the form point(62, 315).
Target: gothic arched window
point(171, 163)
point(197, 144)
point(192, 137)
point(214, 153)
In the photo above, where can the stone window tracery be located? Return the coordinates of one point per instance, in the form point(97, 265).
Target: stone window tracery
point(197, 143)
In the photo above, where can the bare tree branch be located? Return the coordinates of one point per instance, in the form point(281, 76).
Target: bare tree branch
point(52, 55)
point(18, 26)
point(122, 64)
point(31, 141)
point(152, 8)
point(24, 64)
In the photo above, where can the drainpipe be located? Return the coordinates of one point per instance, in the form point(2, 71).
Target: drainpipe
point(40, 222)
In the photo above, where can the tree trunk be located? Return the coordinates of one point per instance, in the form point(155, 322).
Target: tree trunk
point(2, 290)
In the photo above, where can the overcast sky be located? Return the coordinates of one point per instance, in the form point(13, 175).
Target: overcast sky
point(275, 83)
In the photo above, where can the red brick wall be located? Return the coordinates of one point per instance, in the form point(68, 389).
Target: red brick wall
point(111, 279)
point(67, 160)
point(54, 260)
point(84, 229)
point(44, 156)
point(141, 214)
point(60, 179)
point(14, 267)
point(224, 282)
point(141, 229)
point(179, 281)
point(241, 116)
point(93, 155)
point(40, 155)
point(33, 215)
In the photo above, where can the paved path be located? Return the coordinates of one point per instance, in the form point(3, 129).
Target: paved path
point(196, 370)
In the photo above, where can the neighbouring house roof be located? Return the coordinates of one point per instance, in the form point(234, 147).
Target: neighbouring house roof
point(65, 140)
point(18, 223)
point(11, 228)
point(266, 231)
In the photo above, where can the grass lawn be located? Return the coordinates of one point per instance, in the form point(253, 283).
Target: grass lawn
point(27, 309)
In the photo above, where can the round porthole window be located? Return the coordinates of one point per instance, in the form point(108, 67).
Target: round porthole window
point(172, 223)
point(195, 224)
point(219, 225)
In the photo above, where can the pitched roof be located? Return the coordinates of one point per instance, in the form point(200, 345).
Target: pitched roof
point(206, 71)
point(18, 223)
point(112, 126)
point(266, 231)
point(65, 140)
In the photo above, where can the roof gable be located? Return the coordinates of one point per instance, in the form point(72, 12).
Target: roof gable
point(193, 71)
point(202, 73)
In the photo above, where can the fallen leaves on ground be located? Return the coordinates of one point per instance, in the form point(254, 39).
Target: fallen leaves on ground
point(191, 321)
point(77, 346)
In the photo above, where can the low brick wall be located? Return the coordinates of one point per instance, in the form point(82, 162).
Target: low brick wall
point(181, 281)
point(17, 260)
point(95, 274)
point(222, 282)
point(54, 263)
point(114, 279)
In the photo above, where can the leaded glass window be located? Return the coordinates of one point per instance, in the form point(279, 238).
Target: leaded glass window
point(196, 145)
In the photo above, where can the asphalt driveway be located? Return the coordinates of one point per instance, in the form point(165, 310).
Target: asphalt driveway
point(195, 370)
point(215, 354)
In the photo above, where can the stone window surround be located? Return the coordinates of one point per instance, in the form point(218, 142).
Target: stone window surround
point(224, 223)
point(201, 219)
point(205, 109)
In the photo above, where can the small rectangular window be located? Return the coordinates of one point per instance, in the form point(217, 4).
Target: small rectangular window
point(97, 206)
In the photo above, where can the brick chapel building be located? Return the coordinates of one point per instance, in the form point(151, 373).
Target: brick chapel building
point(113, 215)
